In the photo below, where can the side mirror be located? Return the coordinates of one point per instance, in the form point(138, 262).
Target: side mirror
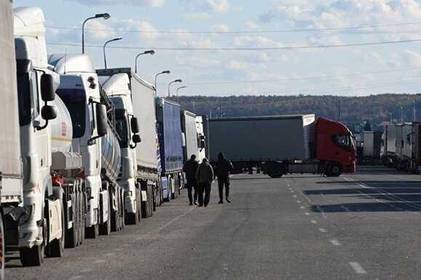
point(101, 119)
point(47, 88)
point(136, 139)
point(48, 112)
point(135, 125)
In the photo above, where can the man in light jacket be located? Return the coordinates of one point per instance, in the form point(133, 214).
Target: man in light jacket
point(204, 177)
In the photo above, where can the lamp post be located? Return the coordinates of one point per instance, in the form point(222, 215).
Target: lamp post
point(104, 16)
point(178, 89)
point(151, 52)
point(105, 45)
point(167, 72)
point(173, 82)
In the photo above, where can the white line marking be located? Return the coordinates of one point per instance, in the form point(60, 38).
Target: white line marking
point(99, 261)
point(75, 277)
point(313, 221)
point(298, 201)
point(302, 207)
point(357, 268)
point(322, 230)
point(294, 196)
point(175, 219)
point(307, 214)
point(335, 242)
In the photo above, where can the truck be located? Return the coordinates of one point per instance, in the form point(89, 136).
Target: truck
point(134, 101)
point(371, 145)
point(201, 137)
point(40, 171)
point(95, 137)
point(402, 146)
point(284, 144)
point(189, 134)
point(170, 143)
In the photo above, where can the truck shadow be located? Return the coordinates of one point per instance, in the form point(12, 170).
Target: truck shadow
point(387, 196)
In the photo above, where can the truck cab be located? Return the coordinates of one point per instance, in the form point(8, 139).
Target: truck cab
point(335, 146)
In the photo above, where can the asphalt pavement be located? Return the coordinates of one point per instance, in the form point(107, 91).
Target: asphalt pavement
point(361, 226)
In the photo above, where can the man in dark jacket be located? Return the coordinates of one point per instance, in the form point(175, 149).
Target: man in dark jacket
point(190, 168)
point(204, 177)
point(223, 170)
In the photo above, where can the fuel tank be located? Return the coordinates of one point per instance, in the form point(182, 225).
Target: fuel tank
point(111, 156)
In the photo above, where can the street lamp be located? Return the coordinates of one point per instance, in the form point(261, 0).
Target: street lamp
point(178, 89)
point(161, 73)
point(104, 16)
point(172, 82)
point(151, 52)
point(105, 45)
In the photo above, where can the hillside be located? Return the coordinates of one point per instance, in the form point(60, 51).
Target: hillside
point(351, 110)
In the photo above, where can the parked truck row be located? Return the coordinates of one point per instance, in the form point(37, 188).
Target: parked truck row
point(84, 151)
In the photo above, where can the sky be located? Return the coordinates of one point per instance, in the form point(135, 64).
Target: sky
point(249, 47)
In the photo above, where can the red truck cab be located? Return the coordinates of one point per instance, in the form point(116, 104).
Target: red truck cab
point(335, 146)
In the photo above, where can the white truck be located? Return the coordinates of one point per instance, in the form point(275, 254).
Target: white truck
point(189, 134)
point(39, 176)
point(201, 137)
point(134, 100)
point(95, 137)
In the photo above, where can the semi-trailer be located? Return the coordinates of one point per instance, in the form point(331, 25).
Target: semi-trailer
point(134, 100)
point(371, 145)
point(402, 146)
point(201, 137)
point(170, 143)
point(284, 144)
point(189, 134)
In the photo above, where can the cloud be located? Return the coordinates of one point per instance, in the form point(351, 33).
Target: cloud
point(208, 6)
point(149, 3)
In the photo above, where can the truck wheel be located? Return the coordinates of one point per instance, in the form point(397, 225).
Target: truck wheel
point(92, 232)
point(71, 233)
point(2, 247)
point(105, 228)
point(32, 256)
point(56, 247)
point(333, 170)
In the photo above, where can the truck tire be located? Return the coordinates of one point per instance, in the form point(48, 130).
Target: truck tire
point(92, 232)
point(333, 170)
point(105, 228)
point(275, 175)
point(2, 247)
point(56, 247)
point(72, 233)
point(34, 256)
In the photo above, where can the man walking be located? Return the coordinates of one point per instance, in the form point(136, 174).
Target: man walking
point(204, 177)
point(223, 170)
point(190, 168)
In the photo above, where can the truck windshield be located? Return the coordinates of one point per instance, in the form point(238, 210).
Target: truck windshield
point(76, 104)
point(122, 127)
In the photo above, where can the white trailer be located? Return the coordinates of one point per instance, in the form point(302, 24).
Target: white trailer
point(134, 100)
point(201, 137)
point(190, 137)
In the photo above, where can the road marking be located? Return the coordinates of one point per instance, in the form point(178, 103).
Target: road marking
point(335, 242)
point(99, 261)
point(294, 196)
point(302, 207)
point(75, 277)
point(298, 201)
point(322, 230)
point(313, 221)
point(175, 219)
point(357, 268)
point(307, 214)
